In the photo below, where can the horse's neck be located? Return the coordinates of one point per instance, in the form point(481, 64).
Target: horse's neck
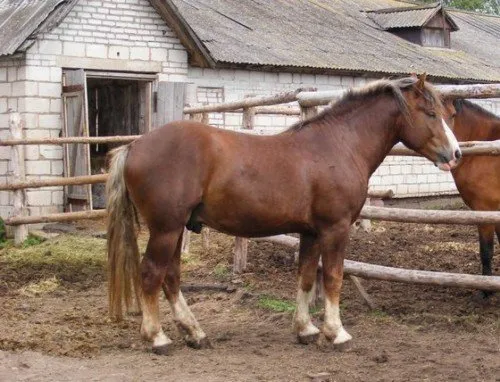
point(472, 125)
point(365, 133)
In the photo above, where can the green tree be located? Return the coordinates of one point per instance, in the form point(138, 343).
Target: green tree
point(484, 6)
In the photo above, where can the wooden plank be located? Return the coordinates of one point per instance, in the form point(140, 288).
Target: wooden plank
point(19, 175)
point(240, 254)
point(69, 140)
point(77, 157)
point(248, 118)
point(247, 102)
point(430, 216)
point(468, 148)
point(60, 217)
point(307, 99)
point(411, 276)
point(88, 179)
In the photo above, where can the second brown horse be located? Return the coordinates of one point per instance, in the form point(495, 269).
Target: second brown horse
point(478, 177)
point(311, 179)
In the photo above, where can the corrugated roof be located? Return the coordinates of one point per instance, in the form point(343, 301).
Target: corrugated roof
point(19, 19)
point(324, 34)
point(408, 17)
point(403, 19)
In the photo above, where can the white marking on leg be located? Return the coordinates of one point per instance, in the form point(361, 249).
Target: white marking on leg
point(302, 320)
point(185, 318)
point(333, 326)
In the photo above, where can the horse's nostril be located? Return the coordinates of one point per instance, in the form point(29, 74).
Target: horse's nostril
point(458, 154)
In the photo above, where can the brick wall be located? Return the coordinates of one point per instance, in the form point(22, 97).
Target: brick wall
point(123, 35)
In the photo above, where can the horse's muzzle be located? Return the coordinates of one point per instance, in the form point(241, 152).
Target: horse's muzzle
point(448, 162)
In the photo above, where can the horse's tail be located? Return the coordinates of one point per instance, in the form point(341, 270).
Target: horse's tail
point(123, 252)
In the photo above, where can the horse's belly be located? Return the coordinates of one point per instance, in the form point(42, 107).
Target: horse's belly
point(238, 221)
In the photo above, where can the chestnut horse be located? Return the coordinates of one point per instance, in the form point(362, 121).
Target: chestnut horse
point(478, 177)
point(311, 179)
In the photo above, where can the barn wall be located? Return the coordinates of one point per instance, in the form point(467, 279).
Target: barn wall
point(406, 176)
point(119, 35)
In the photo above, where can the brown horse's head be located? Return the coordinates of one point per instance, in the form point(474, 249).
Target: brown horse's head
point(424, 128)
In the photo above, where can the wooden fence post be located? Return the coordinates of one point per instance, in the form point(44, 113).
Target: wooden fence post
point(186, 241)
point(205, 238)
point(240, 254)
point(18, 175)
point(241, 243)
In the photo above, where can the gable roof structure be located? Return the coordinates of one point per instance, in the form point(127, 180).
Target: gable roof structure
point(22, 20)
point(409, 17)
point(325, 36)
point(316, 36)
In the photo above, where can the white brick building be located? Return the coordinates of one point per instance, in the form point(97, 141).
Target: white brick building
point(118, 57)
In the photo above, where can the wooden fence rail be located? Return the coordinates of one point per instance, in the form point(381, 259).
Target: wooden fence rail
point(309, 98)
point(379, 272)
point(68, 140)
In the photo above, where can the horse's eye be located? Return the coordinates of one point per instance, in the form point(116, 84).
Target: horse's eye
point(431, 113)
point(453, 115)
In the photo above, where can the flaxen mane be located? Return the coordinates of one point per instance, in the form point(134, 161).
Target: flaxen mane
point(354, 96)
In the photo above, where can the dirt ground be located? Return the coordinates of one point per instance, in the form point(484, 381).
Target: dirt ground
point(54, 325)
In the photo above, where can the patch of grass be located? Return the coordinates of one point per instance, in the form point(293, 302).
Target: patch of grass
point(31, 241)
point(377, 313)
point(275, 304)
point(70, 258)
point(3, 231)
point(221, 271)
point(189, 258)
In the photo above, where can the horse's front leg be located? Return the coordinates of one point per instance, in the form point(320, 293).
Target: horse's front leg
point(333, 244)
point(308, 265)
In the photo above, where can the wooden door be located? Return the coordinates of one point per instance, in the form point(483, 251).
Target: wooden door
point(76, 156)
point(169, 102)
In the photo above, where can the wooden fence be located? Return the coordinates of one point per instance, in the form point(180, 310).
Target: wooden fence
point(308, 101)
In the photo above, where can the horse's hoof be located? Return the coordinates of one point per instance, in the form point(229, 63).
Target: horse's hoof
point(482, 297)
point(308, 338)
point(161, 350)
point(487, 294)
point(204, 343)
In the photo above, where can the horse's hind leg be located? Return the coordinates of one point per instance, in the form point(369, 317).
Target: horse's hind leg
point(308, 264)
point(162, 246)
point(486, 243)
point(486, 247)
point(183, 317)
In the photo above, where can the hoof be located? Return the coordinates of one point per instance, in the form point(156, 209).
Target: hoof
point(487, 293)
point(482, 297)
point(161, 350)
point(308, 339)
point(204, 343)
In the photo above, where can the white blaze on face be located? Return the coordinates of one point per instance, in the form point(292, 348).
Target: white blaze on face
point(451, 137)
point(452, 146)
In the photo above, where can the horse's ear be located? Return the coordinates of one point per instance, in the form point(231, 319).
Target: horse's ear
point(421, 81)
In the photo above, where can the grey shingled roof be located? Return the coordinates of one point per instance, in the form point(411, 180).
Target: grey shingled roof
point(21, 19)
point(407, 17)
point(329, 35)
